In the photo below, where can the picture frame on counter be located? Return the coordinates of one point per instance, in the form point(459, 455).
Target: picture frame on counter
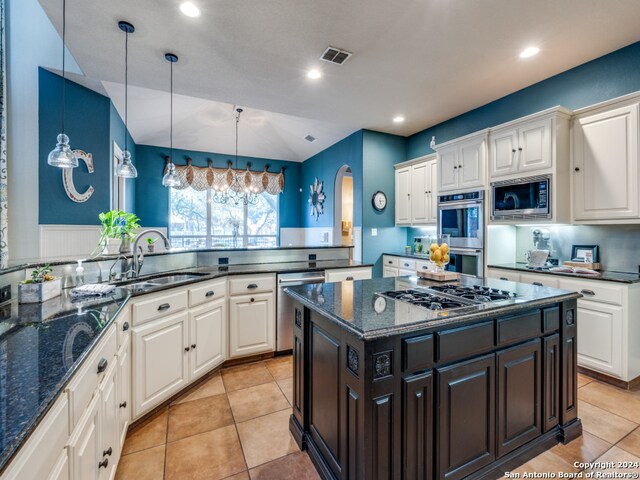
point(585, 253)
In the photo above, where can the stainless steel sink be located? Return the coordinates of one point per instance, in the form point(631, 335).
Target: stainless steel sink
point(159, 280)
point(174, 278)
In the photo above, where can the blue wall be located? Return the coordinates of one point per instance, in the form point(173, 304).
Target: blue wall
point(87, 122)
point(152, 199)
point(325, 166)
point(610, 76)
point(380, 152)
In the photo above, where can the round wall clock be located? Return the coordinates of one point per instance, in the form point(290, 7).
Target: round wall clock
point(379, 201)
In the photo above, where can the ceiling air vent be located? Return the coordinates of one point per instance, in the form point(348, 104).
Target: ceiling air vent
point(335, 55)
point(310, 138)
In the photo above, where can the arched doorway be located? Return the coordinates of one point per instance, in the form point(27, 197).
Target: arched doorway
point(343, 207)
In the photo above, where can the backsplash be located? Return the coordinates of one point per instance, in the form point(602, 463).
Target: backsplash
point(618, 243)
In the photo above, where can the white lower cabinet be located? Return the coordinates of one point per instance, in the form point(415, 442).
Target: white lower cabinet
point(208, 333)
point(124, 393)
point(251, 324)
point(109, 435)
point(161, 361)
point(390, 271)
point(62, 469)
point(540, 280)
point(84, 445)
point(600, 337)
point(347, 274)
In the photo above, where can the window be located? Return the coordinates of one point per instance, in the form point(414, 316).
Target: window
point(195, 221)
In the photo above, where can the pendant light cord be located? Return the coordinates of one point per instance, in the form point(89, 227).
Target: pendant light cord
point(171, 118)
point(64, 33)
point(126, 87)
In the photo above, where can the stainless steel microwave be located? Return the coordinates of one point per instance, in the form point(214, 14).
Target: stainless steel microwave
point(521, 198)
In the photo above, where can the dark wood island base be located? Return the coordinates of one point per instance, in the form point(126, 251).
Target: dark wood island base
point(470, 400)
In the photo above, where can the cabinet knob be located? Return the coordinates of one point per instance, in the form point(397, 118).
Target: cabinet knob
point(577, 169)
point(513, 150)
point(252, 286)
point(454, 167)
point(186, 349)
point(520, 148)
point(108, 452)
point(102, 365)
point(163, 307)
point(103, 464)
point(459, 166)
point(125, 326)
point(123, 405)
point(210, 293)
point(253, 299)
point(193, 346)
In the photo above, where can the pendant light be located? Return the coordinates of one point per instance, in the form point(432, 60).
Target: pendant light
point(126, 169)
point(239, 193)
point(170, 178)
point(62, 156)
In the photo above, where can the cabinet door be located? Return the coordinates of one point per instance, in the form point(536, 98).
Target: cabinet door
point(417, 411)
point(605, 161)
point(419, 193)
point(432, 198)
point(161, 364)
point(551, 402)
point(519, 396)
point(534, 145)
point(403, 196)
point(208, 332)
point(471, 163)
point(504, 149)
point(109, 445)
point(448, 169)
point(84, 445)
point(466, 429)
point(124, 393)
point(61, 470)
point(600, 337)
point(251, 324)
point(389, 272)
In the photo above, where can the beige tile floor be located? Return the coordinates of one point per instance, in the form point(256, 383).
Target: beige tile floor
point(236, 426)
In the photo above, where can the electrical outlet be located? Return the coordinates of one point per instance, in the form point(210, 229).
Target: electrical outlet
point(374, 232)
point(5, 294)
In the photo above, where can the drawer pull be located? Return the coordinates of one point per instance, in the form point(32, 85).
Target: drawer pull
point(538, 284)
point(103, 464)
point(186, 349)
point(424, 267)
point(123, 405)
point(349, 278)
point(108, 452)
point(252, 286)
point(390, 262)
point(125, 326)
point(406, 264)
point(193, 346)
point(584, 291)
point(504, 278)
point(210, 293)
point(102, 365)
point(163, 307)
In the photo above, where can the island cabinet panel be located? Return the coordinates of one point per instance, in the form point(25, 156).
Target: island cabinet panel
point(551, 365)
point(517, 328)
point(464, 342)
point(417, 424)
point(298, 364)
point(568, 373)
point(466, 426)
point(382, 436)
point(519, 395)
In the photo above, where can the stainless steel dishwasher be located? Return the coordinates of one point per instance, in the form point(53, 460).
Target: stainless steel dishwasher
point(284, 326)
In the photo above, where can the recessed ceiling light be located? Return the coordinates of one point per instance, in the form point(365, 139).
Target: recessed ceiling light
point(529, 52)
point(398, 119)
point(190, 9)
point(314, 74)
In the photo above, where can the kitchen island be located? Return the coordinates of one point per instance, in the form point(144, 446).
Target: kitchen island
point(402, 378)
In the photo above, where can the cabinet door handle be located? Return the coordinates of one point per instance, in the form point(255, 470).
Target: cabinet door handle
point(163, 307)
point(108, 452)
point(186, 349)
point(577, 169)
point(584, 291)
point(102, 365)
point(538, 284)
point(349, 278)
point(103, 464)
point(193, 346)
point(125, 326)
point(252, 286)
point(123, 405)
point(210, 293)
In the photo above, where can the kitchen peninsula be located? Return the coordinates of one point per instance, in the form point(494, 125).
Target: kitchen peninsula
point(407, 378)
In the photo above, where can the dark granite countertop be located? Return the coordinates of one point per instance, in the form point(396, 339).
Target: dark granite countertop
point(604, 275)
point(43, 345)
point(358, 307)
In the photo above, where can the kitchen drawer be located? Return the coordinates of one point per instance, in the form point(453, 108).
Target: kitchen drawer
point(159, 305)
point(417, 353)
point(347, 274)
point(205, 292)
point(595, 291)
point(541, 280)
point(464, 342)
point(389, 261)
point(407, 264)
point(251, 284)
point(85, 383)
point(507, 275)
point(123, 326)
point(520, 327)
point(425, 266)
point(403, 272)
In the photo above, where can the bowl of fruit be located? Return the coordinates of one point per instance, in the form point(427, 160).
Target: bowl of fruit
point(439, 252)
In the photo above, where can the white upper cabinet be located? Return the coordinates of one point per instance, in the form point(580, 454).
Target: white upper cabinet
point(503, 146)
point(462, 163)
point(416, 193)
point(534, 145)
point(605, 165)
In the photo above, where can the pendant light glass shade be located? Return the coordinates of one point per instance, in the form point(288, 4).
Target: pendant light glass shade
point(62, 156)
point(170, 178)
point(126, 169)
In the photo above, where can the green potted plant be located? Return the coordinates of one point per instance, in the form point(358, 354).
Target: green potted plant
point(151, 244)
point(118, 231)
point(40, 287)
